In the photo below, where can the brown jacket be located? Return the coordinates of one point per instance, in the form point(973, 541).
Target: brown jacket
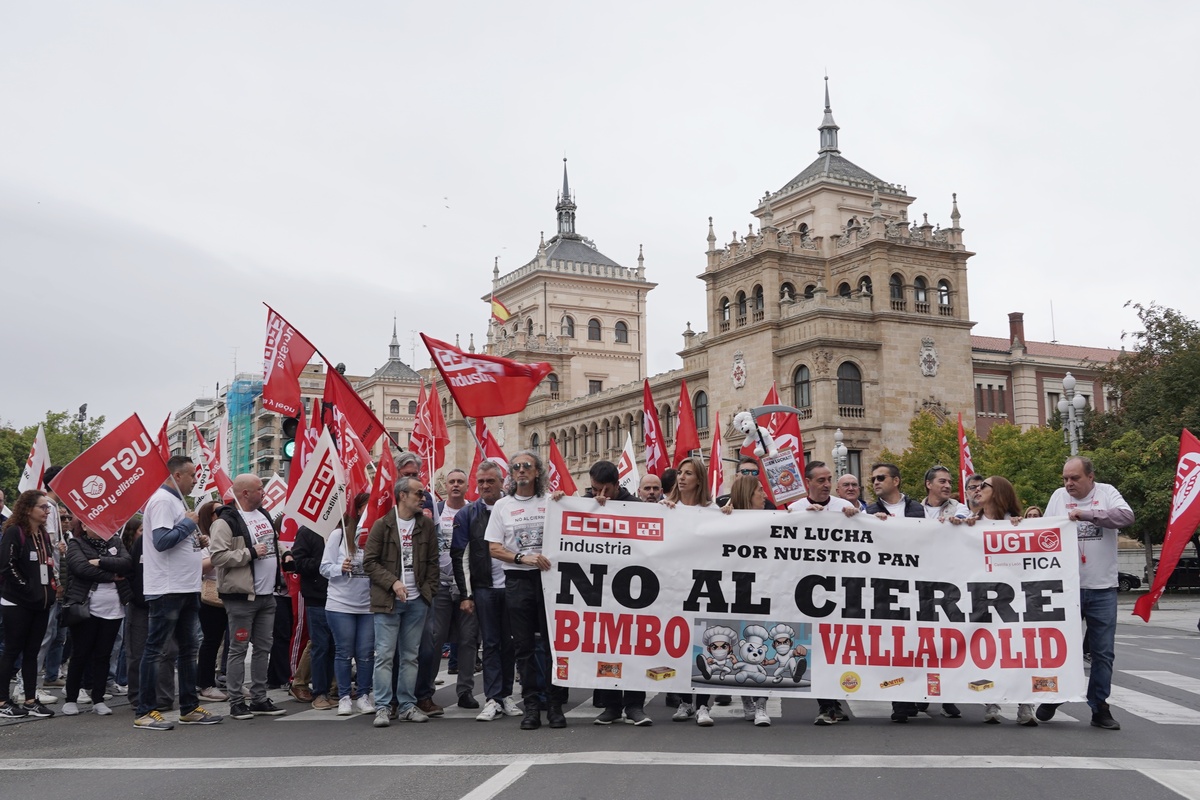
point(382, 560)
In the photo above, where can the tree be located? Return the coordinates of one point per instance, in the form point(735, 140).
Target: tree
point(64, 433)
point(1032, 460)
point(930, 442)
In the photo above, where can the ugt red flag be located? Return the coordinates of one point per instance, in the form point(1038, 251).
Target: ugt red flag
point(383, 490)
point(1185, 518)
point(488, 448)
point(34, 474)
point(656, 451)
point(965, 466)
point(340, 395)
point(285, 355)
point(557, 474)
point(318, 500)
point(716, 472)
point(485, 386)
point(687, 438)
point(107, 484)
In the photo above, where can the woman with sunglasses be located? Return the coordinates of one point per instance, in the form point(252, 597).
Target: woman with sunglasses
point(998, 501)
point(26, 595)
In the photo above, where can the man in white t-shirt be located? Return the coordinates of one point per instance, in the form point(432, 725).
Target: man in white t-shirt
point(939, 497)
point(171, 568)
point(244, 551)
point(1100, 511)
point(514, 536)
point(849, 489)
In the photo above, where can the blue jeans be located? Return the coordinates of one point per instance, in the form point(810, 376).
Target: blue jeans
point(170, 615)
point(353, 640)
point(398, 636)
point(499, 663)
point(321, 650)
point(50, 656)
point(1099, 609)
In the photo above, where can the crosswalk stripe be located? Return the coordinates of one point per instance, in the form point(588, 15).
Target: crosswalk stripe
point(1155, 709)
point(1172, 679)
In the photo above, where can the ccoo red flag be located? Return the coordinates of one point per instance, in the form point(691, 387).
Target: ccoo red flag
point(107, 484)
point(285, 356)
point(485, 386)
point(557, 474)
point(687, 438)
point(965, 466)
point(656, 451)
point(340, 395)
point(1185, 518)
point(383, 489)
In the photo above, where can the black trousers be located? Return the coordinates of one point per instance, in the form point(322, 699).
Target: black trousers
point(23, 632)
point(279, 669)
point(91, 646)
point(213, 631)
point(531, 638)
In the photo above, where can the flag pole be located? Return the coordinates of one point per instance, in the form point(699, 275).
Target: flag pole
point(471, 430)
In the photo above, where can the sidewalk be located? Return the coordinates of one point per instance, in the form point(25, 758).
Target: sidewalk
point(1178, 611)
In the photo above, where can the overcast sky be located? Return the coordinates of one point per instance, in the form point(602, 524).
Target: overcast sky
point(167, 167)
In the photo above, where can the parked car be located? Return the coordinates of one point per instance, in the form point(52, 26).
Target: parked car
point(1127, 582)
point(1185, 576)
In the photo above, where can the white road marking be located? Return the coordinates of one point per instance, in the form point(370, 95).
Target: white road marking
point(1166, 678)
point(1155, 709)
point(498, 782)
point(1184, 782)
point(1164, 652)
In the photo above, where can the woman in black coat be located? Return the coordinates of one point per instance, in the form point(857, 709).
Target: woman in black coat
point(95, 580)
point(26, 594)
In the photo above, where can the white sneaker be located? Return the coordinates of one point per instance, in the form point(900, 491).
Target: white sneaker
point(364, 705)
point(510, 708)
point(70, 709)
point(214, 694)
point(414, 714)
point(1025, 715)
point(102, 709)
point(45, 698)
point(991, 714)
point(748, 709)
point(116, 689)
point(761, 719)
point(491, 710)
point(345, 706)
point(703, 719)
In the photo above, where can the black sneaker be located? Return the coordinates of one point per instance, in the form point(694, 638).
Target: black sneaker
point(1104, 719)
point(467, 701)
point(1045, 712)
point(239, 710)
point(899, 716)
point(12, 710)
point(532, 719)
point(555, 717)
point(39, 710)
point(608, 716)
point(839, 715)
point(950, 710)
point(265, 708)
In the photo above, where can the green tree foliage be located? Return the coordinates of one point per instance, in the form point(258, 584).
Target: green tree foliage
point(64, 434)
point(1144, 472)
point(930, 442)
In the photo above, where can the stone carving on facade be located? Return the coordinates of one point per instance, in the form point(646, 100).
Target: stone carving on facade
point(738, 373)
point(939, 411)
point(821, 361)
point(929, 358)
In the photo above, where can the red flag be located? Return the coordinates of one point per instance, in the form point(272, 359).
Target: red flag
point(112, 479)
point(437, 423)
point(354, 457)
point(965, 466)
point(217, 477)
point(1185, 518)
point(340, 395)
point(421, 441)
point(274, 493)
point(656, 452)
point(306, 441)
point(559, 477)
point(686, 436)
point(785, 430)
point(485, 386)
point(285, 356)
point(491, 450)
point(164, 449)
point(383, 490)
point(716, 472)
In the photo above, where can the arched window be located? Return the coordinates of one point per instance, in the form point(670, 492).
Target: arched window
point(516, 327)
point(568, 327)
point(574, 443)
point(700, 407)
point(667, 416)
point(787, 292)
point(758, 298)
point(920, 290)
point(617, 437)
point(608, 440)
point(849, 385)
point(534, 442)
point(394, 407)
point(412, 406)
point(802, 388)
point(724, 305)
point(593, 330)
point(810, 291)
point(844, 290)
point(552, 380)
point(864, 285)
point(621, 333)
point(802, 230)
point(445, 408)
point(896, 287)
point(529, 326)
point(741, 304)
point(595, 438)
point(853, 223)
point(943, 293)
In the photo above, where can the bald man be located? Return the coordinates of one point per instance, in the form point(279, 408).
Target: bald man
point(650, 490)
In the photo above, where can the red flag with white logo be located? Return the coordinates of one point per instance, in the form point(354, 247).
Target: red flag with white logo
point(485, 386)
point(687, 438)
point(716, 472)
point(558, 476)
point(627, 469)
point(1185, 518)
point(383, 489)
point(656, 451)
point(491, 451)
point(213, 475)
point(34, 474)
point(285, 356)
point(354, 457)
point(107, 484)
point(274, 493)
point(421, 439)
point(785, 430)
point(965, 466)
point(307, 434)
point(340, 395)
point(437, 424)
point(318, 500)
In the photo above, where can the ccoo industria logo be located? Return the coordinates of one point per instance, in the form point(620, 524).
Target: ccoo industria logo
point(607, 526)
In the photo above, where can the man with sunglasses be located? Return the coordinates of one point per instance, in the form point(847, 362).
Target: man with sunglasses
point(514, 536)
point(974, 493)
point(889, 500)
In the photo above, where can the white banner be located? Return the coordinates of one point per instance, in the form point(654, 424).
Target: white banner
point(812, 604)
point(33, 476)
point(318, 499)
point(627, 469)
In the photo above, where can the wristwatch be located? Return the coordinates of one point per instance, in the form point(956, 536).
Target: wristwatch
point(517, 558)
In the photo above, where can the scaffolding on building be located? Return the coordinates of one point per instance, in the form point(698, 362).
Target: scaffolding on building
point(240, 408)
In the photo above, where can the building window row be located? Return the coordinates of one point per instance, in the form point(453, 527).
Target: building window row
point(743, 309)
point(594, 330)
point(849, 390)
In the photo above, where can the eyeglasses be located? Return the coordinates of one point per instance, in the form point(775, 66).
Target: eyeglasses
point(877, 478)
point(45, 507)
point(523, 465)
point(753, 472)
point(983, 486)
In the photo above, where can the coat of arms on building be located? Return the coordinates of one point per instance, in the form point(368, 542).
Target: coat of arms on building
point(738, 373)
point(929, 358)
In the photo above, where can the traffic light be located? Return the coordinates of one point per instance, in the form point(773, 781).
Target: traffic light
point(290, 425)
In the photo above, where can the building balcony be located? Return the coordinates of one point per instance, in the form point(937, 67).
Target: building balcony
point(266, 432)
point(899, 305)
point(265, 455)
point(741, 321)
point(852, 412)
point(946, 311)
point(921, 307)
point(724, 325)
point(758, 315)
point(805, 413)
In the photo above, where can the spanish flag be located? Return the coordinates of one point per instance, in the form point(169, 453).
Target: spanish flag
point(499, 312)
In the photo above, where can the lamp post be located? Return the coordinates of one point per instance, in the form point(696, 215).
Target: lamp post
point(840, 454)
point(81, 418)
point(1071, 408)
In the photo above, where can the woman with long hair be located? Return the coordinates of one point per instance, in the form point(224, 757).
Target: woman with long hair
point(26, 595)
point(998, 501)
point(348, 612)
point(96, 569)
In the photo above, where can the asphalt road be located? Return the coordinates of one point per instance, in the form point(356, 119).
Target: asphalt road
point(310, 754)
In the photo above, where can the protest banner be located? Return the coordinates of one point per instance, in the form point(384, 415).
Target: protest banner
point(34, 474)
point(318, 500)
point(274, 492)
point(812, 604)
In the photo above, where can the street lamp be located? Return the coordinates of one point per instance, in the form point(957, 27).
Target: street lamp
point(81, 418)
point(1071, 408)
point(840, 454)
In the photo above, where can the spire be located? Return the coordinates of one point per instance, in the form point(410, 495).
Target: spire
point(712, 237)
point(496, 268)
point(566, 209)
point(954, 215)
point(829, 128)
point(394, 347)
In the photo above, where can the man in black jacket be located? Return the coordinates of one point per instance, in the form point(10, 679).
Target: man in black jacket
point(889, 500)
